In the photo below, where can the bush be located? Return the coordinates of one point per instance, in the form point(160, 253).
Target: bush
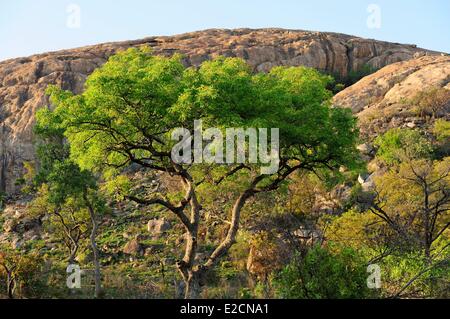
point(397, 145)
point(23, 269)
point(400, 269)
point(432, 102)
point(321, 274)
point(341, 82)
point(356, 75)
point(441, 130)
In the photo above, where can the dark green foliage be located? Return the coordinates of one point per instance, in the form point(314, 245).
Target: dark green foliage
point(356, 75)
point(352, 77)
point(66, 180)
point(321, 274)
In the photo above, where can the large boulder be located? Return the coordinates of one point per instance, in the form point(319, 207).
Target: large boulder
point(385, 99)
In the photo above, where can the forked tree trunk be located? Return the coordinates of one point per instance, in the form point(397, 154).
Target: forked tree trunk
point(73, 255)
point(193, 274)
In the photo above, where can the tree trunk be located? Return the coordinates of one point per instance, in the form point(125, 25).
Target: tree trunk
point(229, 240)
point(427, 223)
point(192, 276)
point(97, 273)
point(185, 266)
point(192, 290)
point(10, 286)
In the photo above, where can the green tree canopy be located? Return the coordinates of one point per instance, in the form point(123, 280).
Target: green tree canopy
point(133, 103)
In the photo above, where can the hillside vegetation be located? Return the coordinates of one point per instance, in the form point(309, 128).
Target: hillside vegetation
point(105, 194)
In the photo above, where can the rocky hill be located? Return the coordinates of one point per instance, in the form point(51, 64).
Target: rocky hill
point(387, 98)
point(23, 80)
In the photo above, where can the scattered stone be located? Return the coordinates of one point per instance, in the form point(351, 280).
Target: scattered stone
point(307, 236)
point(134, 248)
point(127, 235)
point(31, 235)
point(365, 149)
point(152, 249)
point(16, 243)
point(366, 181)
point(10, 225)
point(158, 226)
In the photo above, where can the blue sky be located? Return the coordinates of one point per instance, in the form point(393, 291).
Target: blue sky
point(30, 26)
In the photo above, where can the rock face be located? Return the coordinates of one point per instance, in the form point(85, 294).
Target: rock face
point(385, 99)
point(18, 227)
point(23, 81)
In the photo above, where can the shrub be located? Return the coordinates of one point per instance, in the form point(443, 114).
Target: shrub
point(441, 130)
point(432, 102)
point(321, 274)
point(20, 273)
point(397, 145)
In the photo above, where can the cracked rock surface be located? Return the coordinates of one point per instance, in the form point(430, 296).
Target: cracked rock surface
point(385, 99)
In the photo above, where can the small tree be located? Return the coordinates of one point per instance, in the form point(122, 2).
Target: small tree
point(432, 102)
point(71, 199)
point(68, 183)
point(415, 202)
point(68, 193)
point(134, 102)
point(18, 268)
point(68, 221)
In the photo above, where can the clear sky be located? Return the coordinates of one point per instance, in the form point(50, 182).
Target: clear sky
point(35, 26)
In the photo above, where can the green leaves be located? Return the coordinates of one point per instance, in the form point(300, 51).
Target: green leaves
point(441, 130)
point(67, 180)
point(399, 145)
point(321, 274)
point(133, 102)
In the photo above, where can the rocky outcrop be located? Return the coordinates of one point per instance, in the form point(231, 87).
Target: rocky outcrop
point(386, 99)
point(23, 81)
point(17, 227)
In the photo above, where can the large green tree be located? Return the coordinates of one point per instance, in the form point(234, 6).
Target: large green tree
point(132, 104)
